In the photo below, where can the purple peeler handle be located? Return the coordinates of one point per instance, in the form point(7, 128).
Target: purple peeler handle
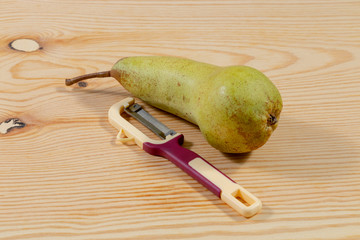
point(221, 185)
point(181, 157)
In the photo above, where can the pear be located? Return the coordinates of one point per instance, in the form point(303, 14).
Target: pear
point(236, 107)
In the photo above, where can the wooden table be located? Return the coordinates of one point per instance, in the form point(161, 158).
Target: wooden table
point(63, 177)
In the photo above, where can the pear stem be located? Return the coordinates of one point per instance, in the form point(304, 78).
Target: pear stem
point(71, 81)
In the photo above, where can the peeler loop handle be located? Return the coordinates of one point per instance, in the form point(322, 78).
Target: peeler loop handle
point(209, 176)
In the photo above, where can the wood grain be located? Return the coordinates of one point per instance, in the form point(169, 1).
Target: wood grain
point(63, 177)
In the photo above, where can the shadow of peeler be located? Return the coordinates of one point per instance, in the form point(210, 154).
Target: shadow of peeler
point(170, 147)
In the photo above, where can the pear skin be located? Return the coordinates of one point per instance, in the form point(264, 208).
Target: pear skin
point(236, 108)
point(245, 109)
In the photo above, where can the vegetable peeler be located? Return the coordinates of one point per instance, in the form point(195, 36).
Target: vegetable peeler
point(170, 147)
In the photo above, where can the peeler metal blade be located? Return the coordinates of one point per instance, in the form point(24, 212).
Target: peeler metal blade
point(136, 111)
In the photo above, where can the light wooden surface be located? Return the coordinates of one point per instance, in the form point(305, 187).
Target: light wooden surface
point(63, 177)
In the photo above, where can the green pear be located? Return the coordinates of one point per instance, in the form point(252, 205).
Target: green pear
point(236, 107)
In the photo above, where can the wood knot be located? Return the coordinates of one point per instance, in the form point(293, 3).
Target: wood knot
point(82, 84)
point(25, 45)
point(10, 124)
